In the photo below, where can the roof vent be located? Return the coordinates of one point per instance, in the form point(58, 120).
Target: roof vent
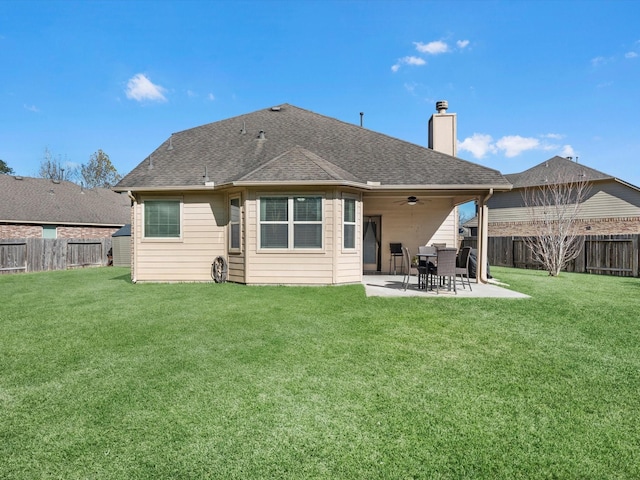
point(275, 109)
point(170, 147)
point(18, 177)
point(441, 106)
point(150, 162)
point(261, 135)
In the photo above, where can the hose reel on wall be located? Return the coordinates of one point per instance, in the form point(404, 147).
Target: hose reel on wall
point(219, 270)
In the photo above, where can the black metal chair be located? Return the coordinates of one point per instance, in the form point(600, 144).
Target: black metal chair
point(396, 251)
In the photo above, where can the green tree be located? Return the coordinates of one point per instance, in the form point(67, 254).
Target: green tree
point(99, 172)
point(5, 169)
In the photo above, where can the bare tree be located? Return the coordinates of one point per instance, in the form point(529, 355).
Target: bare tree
point(99, 172)
point(553, 210)
point(55, 168)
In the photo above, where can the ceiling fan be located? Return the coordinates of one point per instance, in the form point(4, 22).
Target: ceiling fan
point(410, 200)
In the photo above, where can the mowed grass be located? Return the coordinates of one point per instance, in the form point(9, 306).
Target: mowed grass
point(103, 379)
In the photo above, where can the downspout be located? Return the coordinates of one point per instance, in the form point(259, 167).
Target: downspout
point(483, 239)
point(134, 250)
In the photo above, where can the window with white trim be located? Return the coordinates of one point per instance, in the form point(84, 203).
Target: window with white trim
point(162, 219)
point(349, 223)
point(235, 231)
point(291, 222)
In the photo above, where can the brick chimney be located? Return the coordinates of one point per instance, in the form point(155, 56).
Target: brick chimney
point(443, 130)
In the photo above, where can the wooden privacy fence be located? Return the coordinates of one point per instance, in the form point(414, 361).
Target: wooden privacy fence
point(40, 254)
point(601, 254)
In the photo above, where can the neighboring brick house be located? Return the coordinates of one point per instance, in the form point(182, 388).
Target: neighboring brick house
point(612, 206)
point(43, 208)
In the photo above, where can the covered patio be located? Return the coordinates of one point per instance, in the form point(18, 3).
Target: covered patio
point(391, 286)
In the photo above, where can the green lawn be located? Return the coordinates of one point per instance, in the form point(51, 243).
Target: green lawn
point(103, 379)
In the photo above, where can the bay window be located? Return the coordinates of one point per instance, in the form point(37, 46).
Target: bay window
point(291, 222)
point(349, 223)
point(234, 224)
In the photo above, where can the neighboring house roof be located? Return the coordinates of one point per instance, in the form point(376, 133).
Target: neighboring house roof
point(558, 168)
point(472, 222)
point(123, 232)
point(287, 144)
point(40, 200)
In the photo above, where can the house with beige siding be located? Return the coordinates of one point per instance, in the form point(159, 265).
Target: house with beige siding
point(284, 195)
point(611, 207)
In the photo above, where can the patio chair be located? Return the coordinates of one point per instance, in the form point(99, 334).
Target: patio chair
point(424, 264)
point(395, 250)
point(462, 266)
point(445, 270)
point(421, 271)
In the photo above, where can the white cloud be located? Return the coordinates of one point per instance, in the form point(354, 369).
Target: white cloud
point(411, 60)
point(568, 151)
point(478, 144)
point(462, 44)
point(597, 61)
point(31, 108)
point(554, 136)
point(432, 48)
point(191, 94)
point(211, 97)
point(140, 88)
point(630, 55)
point(514, 145)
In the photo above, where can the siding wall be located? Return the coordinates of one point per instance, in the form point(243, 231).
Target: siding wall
point(204, 237)
point(121, 251)
point(204, 219)
point(433, 221)
point(606, 200)
point(331, 265)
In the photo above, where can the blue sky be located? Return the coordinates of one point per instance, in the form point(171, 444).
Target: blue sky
point(527, 79)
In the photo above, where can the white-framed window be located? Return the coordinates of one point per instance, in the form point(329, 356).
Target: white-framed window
point(349, 223)
point(162, 218)
point(290, 222)
point(235, 225)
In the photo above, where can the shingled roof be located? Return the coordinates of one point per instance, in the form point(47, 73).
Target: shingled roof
point(554, 169)
point(290, 144)
point(39, 200)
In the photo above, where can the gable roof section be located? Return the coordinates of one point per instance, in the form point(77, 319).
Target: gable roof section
point(552, 169)
point(39, 200)
point(299, 145)
point(298, 165)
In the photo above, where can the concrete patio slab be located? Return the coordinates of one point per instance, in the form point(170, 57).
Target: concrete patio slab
point(391, 286)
